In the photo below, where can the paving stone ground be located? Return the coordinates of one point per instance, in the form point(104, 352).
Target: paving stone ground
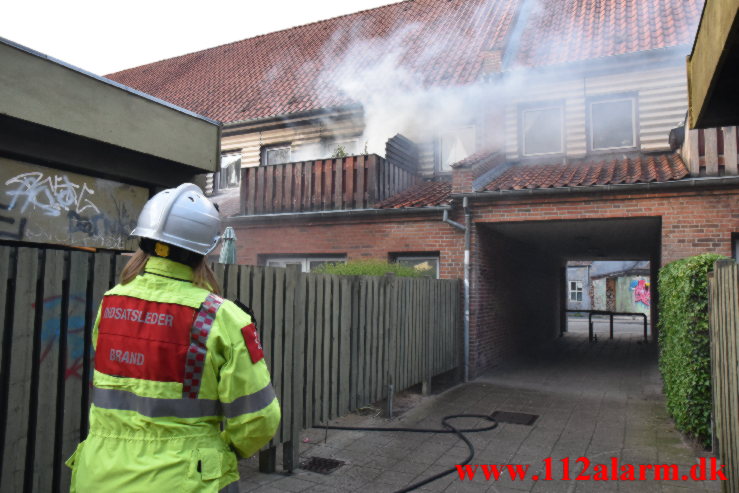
point(597, 401)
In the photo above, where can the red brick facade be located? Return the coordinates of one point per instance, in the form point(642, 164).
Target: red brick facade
point(515, 288)
point(357, 237)
point(693, 222)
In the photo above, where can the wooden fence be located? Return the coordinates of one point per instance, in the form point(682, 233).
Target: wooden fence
point(724, 322)
point(332, 344)
point(353, 182)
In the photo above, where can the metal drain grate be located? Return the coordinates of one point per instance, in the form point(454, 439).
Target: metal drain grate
point(321, 465)
point(515, 418)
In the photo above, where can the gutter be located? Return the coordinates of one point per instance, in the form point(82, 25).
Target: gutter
point(467, 228)
point(337, 213)
point(624, 187)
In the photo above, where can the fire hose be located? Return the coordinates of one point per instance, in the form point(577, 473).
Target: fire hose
point(448, 428)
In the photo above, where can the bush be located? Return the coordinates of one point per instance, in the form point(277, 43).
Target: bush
point(368, 268)
point(685, 351)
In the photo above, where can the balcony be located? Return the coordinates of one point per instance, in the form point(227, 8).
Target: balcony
point(712, 151)
point(352, 182)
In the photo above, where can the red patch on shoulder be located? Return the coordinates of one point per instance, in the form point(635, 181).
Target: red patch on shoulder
point(251, 338)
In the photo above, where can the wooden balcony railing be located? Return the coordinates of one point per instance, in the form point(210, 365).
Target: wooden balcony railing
point(353, 182)
point(712, 151)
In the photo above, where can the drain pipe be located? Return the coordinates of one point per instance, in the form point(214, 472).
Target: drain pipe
point(467, 228)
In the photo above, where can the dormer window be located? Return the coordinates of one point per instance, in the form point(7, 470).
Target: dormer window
point(456, 145)
point(542, 130)
point(612, 123)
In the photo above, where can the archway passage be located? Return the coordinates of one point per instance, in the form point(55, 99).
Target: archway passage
point(520, 277)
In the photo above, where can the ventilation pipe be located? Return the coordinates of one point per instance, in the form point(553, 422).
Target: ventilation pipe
point(467, 228)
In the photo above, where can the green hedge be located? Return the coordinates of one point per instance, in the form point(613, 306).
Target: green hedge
point(368, 268)
point(685, 352)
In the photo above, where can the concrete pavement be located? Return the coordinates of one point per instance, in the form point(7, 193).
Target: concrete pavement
point(597, 401)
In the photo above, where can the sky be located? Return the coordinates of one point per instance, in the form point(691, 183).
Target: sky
point(103, 37)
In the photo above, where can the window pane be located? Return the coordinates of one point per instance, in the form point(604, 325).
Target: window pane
point(314, 264)
point(277, 155)
point(612, 124)
point(230, 174)
point(428, 267)
point(343, 147)
point(542, 131)
point(456, 146)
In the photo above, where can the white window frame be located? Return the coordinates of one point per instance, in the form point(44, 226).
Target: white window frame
point(222, 181)
point(444, 166)
point(398, 258)
point(575, 289)
point(351, 146)
point(544, 107)
point(634, 142)
point(267, 148)
point(303, 261)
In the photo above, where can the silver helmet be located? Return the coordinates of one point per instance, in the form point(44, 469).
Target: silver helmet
point(182, 217)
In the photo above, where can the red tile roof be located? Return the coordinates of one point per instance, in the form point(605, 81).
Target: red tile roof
point(425, 194)
point(565, 31)
point(638, 169)
point(437, 42)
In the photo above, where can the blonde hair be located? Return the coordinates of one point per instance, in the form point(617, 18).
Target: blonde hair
point(202, 275)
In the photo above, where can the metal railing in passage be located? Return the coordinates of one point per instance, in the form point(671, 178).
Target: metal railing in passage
point(609, 314)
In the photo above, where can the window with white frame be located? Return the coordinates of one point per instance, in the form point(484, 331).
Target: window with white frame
point(341, 148)
point(229, 175)
point(456, 145)
point(275, 154)
point(575, 290)
point(612, 123)
point(427, 265)
point(306, 263)
point(542, 130)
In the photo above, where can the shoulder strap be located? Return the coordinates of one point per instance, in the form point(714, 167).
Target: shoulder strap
point(195, 359)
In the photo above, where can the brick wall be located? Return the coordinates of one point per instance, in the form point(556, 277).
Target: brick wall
point(358, 238)
point(515, 303)
point(693, 222)
point(515, 288)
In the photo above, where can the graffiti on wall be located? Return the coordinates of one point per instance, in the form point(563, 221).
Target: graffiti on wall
point(640, 288)
point(49, 194)
point(43, 205)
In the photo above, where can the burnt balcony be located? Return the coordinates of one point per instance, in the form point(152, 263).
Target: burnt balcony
point(352, 182)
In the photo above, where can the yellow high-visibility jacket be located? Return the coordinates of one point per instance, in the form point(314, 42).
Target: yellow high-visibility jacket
point(180, 388)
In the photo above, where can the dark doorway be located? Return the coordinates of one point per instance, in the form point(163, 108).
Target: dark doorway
point(522, 276)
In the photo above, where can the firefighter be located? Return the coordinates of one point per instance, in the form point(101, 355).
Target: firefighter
point(180, 385)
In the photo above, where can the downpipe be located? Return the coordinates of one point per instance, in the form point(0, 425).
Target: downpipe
point(467, 228)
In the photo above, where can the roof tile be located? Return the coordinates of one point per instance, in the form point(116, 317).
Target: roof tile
point(443, 43)
point(425, 194)
point(643, 168)
point(567, 31)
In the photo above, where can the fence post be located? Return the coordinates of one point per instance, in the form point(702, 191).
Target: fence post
point(427, 332)
point(390, 290)
point(295, 323)
point(611, 321)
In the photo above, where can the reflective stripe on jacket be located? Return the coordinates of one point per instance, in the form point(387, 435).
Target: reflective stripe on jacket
point(172, 363)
